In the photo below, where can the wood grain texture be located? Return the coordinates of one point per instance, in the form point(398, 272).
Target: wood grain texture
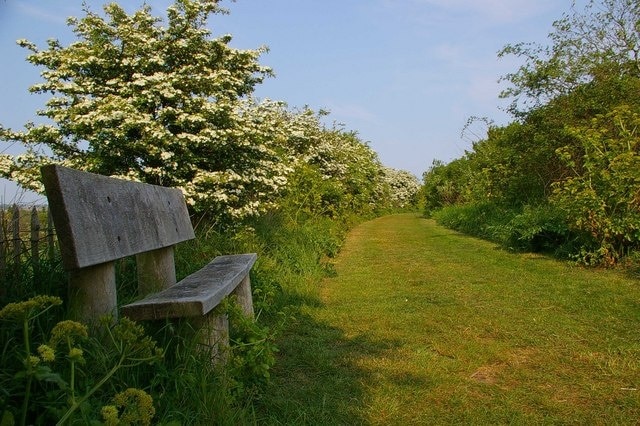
point(92, 293)
point(197, 294)
point(100, 219)
point(156, 270)
point(244, 297)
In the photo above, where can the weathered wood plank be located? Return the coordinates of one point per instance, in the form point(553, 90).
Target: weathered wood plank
point(213, 331)
point(198, 293)
point(15, 231)
point(50, 235)
point(99, 219)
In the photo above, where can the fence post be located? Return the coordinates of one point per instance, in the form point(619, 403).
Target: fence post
point(3, 243)
point(3, 253)
point(17, 243)
point(35, 240)
point(50, 240)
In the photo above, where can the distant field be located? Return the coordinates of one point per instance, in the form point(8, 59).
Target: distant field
point(422, 325)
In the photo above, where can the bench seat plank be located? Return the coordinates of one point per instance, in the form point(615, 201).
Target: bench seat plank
point(197, 294)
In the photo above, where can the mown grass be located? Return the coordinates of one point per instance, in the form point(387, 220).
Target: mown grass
point(423, 325)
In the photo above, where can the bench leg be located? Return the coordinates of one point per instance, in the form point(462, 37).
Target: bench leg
point(92, 293)
point(244, 297)
point(156, 270)
point(214, 336)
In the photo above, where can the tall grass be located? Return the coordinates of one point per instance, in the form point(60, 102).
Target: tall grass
point(539, 229)
point(292, 259)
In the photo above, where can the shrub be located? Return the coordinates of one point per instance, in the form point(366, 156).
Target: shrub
point(540, 228)
point(481, 220)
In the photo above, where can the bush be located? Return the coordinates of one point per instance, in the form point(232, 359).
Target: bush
point(482, 220)
point(540, 228)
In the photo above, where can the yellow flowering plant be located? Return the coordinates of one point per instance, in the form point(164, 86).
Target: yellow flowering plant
point(23, 313)
point(132, 406)
point(50, 384)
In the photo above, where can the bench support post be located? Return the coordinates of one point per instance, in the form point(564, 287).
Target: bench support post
point(156, 270)
point(243, 295)
point(214, 336)
point(92, 293)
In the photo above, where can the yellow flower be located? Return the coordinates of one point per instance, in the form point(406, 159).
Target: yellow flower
point(110, 415)
point(75, 354)
point(33, 360)
point(25, 309)
point(137, 405)
point(47, 354)
point(67, 331)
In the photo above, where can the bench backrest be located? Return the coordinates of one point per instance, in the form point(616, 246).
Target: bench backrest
point(100, 219)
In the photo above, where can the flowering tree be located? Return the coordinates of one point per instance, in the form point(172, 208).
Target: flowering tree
point(335, 173)
point(403, 186)
point(160, 104)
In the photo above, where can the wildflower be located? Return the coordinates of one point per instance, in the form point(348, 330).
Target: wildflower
point(67, 331)
point(76, 354)
point(137, 405)
point(32, 361)
point(134, 341)
point(110, 415)
point(128, 331)
point(25, 310)
point(47, 353)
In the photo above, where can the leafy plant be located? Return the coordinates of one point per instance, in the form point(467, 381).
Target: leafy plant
point(602, 198)
point(565, 170)
point(51, 383)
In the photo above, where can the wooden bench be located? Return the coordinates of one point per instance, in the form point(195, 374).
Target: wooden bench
point(101, 219)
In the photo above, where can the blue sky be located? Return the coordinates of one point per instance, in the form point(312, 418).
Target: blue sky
point(404, 74)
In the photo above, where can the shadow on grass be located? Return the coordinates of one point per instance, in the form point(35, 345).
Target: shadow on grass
point(317, 379)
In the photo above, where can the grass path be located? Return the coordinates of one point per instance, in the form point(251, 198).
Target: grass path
point(422, 325)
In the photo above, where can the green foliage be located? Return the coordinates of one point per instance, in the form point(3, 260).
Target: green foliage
point(600, 40)
point(542, 228)
point(566, 168)
point(480, 220)
point(602, 198)
point(254, 349)
point(58, 381)
point(443, 184)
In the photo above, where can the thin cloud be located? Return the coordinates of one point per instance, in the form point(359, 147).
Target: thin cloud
point(449, 52)
point(41, 14)
point(496, 11)
point(350, 112)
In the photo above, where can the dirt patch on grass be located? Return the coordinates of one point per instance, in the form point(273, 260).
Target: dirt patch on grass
point(487, 374)
point(502, 372)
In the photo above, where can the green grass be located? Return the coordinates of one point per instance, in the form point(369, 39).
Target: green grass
point(423, 325)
